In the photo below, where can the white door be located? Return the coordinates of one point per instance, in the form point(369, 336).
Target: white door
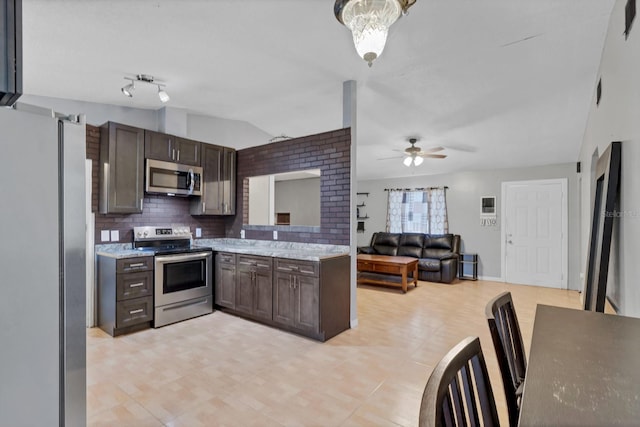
point(535, 245)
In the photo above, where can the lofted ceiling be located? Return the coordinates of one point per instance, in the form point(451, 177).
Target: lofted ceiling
point(498, 83)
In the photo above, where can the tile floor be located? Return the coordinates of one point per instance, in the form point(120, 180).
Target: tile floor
point(221, 370)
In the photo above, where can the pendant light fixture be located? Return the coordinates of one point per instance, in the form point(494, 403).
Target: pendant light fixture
point(369, 21)
point(127, 90)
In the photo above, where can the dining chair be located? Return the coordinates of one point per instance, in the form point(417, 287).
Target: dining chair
point(458, 392)
point(507, 341)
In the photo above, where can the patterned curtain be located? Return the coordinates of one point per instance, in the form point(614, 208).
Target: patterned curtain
point(438, 218)
point(417, 211)
point(394, 211)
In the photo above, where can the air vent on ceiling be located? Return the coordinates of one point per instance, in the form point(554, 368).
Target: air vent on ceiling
point(629, 15)
point(10, 51)
point(599, 92)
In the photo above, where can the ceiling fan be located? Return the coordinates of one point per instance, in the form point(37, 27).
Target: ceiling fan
point(415, 156)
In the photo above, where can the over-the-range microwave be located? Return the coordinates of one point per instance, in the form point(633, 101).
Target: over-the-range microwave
point(172, 178)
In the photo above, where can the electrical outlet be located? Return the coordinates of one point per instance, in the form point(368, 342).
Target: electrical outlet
point(242, 234)
point(115, 235)
point(198, 232)
point(104, 236)
point(275, 234)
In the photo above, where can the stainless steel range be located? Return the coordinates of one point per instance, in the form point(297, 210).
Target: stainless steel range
point(183, 285)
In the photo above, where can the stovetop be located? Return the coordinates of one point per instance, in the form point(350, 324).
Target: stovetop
point(160, 250)
point(164, 240)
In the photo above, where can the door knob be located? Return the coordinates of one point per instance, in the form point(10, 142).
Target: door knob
point(510, 242)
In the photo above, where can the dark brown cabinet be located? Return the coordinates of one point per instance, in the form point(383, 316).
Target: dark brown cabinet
point(254, 288)
point(225, 280)
point(125, 294)
point(218, 182)
point(170, 148)
point(121, 168)
point(296, 301)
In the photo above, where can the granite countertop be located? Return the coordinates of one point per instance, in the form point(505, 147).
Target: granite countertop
point(278, 249)
point(120, 250)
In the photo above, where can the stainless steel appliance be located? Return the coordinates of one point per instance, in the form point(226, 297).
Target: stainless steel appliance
point(42, 296)
point(183, 285)
point(172, 178)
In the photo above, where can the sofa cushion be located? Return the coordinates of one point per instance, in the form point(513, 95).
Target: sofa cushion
point(439, 241)
point(411, 244)
point(386, 243)
point(438, 254)
point(428, 264)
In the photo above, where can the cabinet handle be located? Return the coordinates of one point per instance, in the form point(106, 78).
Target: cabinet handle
point(169, 148)
point(141, 202)
point(203, 207)
point(178, 159)
point(290, 282)
point(173, 154)
point(136, 311)
point(136, 265)
point(136, 285)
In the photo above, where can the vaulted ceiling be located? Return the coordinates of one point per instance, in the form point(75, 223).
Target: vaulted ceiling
point(498, 83)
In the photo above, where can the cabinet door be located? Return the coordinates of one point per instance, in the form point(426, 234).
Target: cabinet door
point(188, 152)
point(159, 146)
point(263, 293)
point(211, 161)
point(244, 290)
point(283, 311)
point(228, 182)
point(307, 303)
point(225, 283)
point(122, 169)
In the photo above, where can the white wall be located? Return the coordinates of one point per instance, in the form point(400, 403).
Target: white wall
point(260, 196)
point(301, 198)
point(229, 133)
point(617, 118)
point(463, 201)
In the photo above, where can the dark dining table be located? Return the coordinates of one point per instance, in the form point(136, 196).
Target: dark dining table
point(584, 370)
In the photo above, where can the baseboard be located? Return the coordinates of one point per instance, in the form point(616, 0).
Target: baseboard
point(491, 279)
point(353, 323)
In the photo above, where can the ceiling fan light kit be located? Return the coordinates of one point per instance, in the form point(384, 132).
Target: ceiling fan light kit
point(369, 22)
point(128, 89)
point(415, 156)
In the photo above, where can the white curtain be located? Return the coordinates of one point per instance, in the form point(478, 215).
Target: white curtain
point(418, 211)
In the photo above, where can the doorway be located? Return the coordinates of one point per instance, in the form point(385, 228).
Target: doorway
point(534, 240)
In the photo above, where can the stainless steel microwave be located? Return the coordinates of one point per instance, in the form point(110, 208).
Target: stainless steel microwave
point(173, 179)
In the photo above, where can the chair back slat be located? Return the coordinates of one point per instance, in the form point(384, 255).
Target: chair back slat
point(458, 392)
point(507, 342)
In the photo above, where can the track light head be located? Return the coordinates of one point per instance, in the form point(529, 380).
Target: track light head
point(163, 95)
point(128, 89)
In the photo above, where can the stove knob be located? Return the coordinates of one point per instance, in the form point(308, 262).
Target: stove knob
point(139, 234)
point(146, 233)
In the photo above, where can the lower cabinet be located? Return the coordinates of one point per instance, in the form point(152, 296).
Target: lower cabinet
point(225, 280)
point(254, 286)
point(125, 294)
point(311, 298)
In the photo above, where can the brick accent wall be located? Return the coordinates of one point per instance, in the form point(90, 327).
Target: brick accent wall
point(160, 210)
point(328, 151)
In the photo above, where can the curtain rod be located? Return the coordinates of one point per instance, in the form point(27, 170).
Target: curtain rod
point(416, 189)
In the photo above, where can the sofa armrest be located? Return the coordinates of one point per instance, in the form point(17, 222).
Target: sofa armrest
point(366, 250)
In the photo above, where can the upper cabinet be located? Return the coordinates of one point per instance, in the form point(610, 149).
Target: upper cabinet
point(121, 168)
point(218, 182)
point(169, 148)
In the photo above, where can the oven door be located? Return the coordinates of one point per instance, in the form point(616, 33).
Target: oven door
point(182, 277)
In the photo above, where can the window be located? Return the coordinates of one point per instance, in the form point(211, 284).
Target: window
point(417, 211)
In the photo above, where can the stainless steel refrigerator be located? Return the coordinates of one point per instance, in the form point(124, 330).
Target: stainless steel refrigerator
point(42, 268)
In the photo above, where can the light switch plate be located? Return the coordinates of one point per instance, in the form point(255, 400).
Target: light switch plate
point(104, 236)
point(115, 235)
point(198, 232)
point(275, 234)
point(242, 234)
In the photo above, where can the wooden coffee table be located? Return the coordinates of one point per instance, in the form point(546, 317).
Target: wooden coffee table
point(387, 269)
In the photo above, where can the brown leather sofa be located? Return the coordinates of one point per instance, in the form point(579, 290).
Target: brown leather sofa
point(437, 253)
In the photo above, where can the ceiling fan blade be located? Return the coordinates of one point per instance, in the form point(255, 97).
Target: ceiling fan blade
point(389, 158)
point(432, 150)
point(434, 156)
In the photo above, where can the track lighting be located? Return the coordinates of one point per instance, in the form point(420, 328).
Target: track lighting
point(145, 78)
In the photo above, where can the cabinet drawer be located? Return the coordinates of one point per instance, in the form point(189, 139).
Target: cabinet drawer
point(126, 265)
point(257, 262)
point(134, 311)
point(225, 258)
point(134, 285)
point(307, 268)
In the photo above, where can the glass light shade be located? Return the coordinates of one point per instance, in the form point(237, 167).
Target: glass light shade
point(418, 160)
point(369, 21)
point(407, 161)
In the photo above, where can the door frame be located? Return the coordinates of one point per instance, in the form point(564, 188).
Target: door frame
point(564, 218)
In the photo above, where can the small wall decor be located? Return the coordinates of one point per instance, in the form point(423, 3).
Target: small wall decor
point(488, 207)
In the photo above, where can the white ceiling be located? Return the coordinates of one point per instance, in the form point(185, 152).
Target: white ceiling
point(498, 83)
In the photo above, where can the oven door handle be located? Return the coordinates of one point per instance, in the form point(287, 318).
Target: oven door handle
point(180, 258)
